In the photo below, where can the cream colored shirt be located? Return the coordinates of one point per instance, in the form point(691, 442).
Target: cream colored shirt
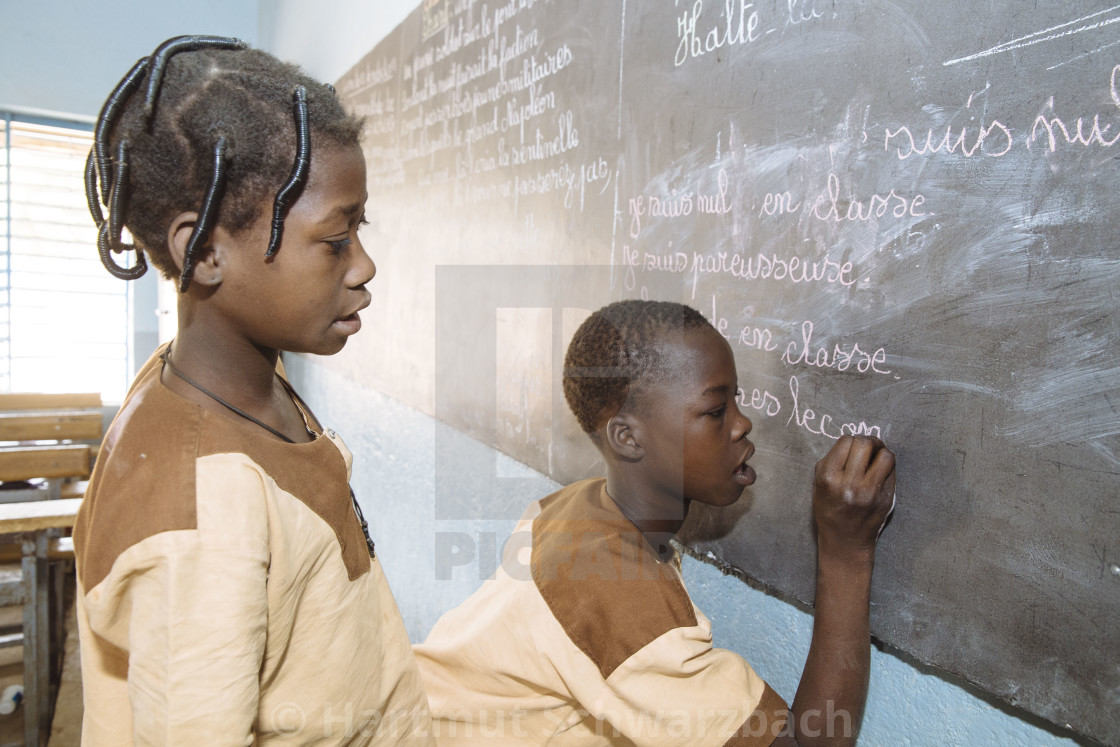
point(586, 636)
point(226, 595)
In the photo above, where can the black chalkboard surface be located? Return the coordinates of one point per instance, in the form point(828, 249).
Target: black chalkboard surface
point(900, 215)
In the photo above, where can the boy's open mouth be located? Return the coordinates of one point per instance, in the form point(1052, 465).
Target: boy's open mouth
point(744, 474)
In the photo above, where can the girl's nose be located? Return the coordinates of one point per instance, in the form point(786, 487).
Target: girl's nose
point(363, 269)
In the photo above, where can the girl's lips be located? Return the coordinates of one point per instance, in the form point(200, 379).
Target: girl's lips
point(349, 324)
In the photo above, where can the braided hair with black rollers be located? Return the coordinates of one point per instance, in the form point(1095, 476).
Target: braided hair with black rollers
point(207, 100)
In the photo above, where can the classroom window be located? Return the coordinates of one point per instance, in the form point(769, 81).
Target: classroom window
point(64, 321)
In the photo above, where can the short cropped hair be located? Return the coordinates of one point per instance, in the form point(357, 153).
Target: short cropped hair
point(615, 353)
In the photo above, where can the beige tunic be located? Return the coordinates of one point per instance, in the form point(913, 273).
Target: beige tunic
point(226, 595)
point(586, 636)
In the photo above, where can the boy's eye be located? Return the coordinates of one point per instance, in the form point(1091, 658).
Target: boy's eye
point(718, 412)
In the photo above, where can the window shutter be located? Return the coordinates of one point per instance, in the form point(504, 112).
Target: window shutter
point(64, 320)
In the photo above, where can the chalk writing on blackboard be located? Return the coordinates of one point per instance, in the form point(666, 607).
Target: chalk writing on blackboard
point(899, 217)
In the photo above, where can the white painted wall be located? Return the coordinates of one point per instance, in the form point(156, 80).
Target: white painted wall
point(66, 55)
point(327, 37)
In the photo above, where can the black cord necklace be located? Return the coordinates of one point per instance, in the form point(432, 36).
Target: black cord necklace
point(165, 356)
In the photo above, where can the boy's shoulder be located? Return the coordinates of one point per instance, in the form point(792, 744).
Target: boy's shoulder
point(610, 591)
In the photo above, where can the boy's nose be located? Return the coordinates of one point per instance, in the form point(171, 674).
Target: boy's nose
point(743, 426)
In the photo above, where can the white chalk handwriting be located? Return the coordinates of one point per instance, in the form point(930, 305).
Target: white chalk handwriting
point(757, 338)
point(679, 203)
point(827, 206)
point(1054, 126)
point(993, 139)
point(840, 357)
point(793, 270)
point(818, 423)
point(737, 28)
point(760, 400)
point(826, 425)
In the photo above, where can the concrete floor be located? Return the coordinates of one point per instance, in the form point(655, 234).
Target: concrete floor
point(66, 728)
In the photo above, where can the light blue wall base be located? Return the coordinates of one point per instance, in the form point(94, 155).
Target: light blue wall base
point(434, 563)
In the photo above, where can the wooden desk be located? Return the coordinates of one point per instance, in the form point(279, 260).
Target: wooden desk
point(34, 516)
point(50, 441)
point(32, 524)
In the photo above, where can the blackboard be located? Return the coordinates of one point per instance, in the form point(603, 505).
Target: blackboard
point(902, 217)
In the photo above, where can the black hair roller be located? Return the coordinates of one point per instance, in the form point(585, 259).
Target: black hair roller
point(173, 46)
point(298, 176)
point(109, 232)
point(118, 198)
point(107, 118)
point(206, 215)
point(91, 189)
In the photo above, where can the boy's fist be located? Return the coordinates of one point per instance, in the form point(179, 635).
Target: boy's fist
point(853, 494)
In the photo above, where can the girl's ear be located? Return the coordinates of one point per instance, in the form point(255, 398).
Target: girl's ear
point(622, 436)
point(207, 266)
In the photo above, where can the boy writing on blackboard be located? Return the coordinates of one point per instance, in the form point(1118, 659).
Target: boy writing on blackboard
point(599, 642)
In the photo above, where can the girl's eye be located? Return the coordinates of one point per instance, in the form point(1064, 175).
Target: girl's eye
point(339, 245)
point(718, 412)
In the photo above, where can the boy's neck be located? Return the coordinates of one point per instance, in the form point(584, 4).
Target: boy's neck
point(657, 516)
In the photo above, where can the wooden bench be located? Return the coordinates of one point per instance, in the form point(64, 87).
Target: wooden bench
point(49, 440)
point(52, 425)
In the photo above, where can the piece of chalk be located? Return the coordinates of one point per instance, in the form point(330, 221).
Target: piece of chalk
point(894, 501)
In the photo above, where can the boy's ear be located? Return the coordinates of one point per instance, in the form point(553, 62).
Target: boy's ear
point(622, 437)
point(208, 266)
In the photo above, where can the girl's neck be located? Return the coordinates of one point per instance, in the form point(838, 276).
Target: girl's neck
point(225, 364)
